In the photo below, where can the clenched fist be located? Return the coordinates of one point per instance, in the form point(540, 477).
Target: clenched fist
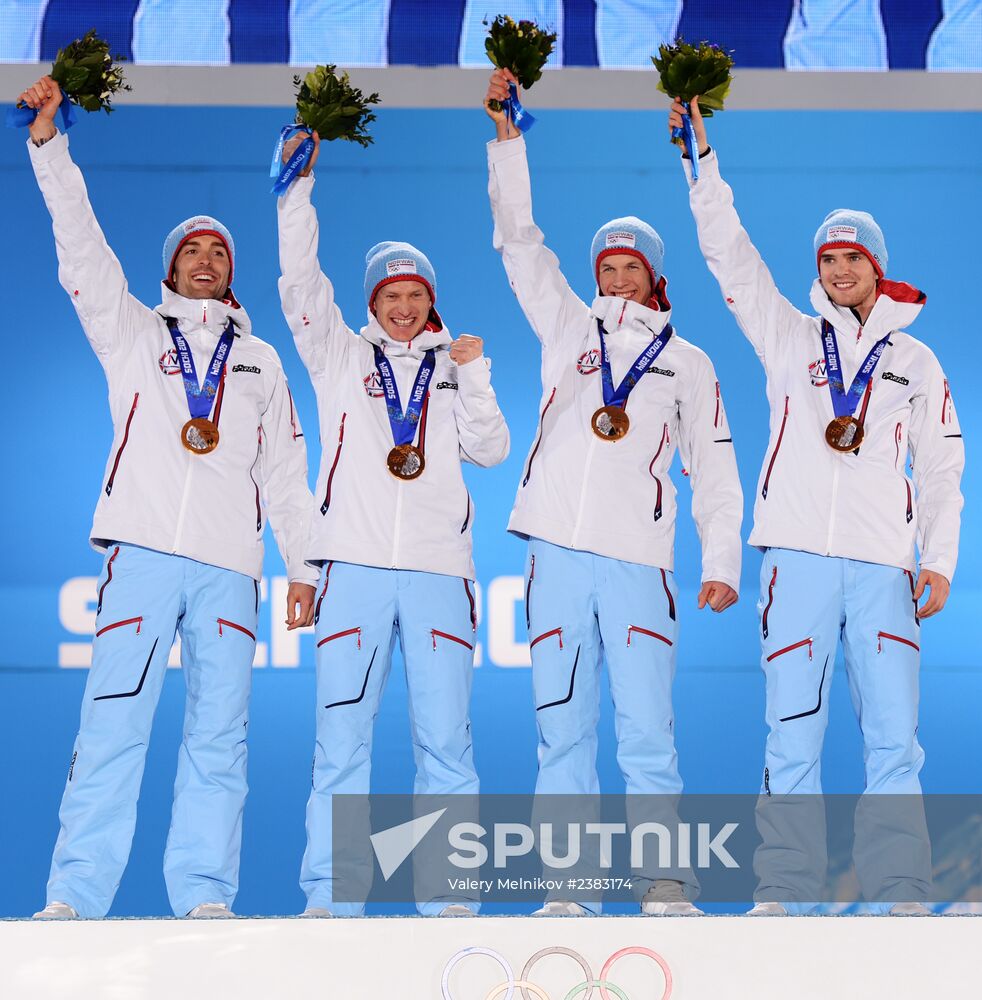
point(466, 348)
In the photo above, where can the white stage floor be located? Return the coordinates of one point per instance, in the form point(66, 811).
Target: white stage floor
point(708, 958)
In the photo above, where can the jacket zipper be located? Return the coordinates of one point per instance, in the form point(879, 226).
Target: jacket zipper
point(446, 635)
point(587, 465)
point(467, 516)
point(185, 497)
point(880, 636)
point(716, 418)
point(777, 448)
point(119, 453)
point(651, 472)
point(898, 437)
point(538, 437)
point(334, 465)
point(259, 509)
point(946, 404)
point(795, 645)
point(770, 601)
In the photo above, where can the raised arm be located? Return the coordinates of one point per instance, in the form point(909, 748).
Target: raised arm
point(87, 269)
point(286, 495)
point(306, 294)
point(481, 427)
point(717, 499)
point(762, 312)
point(938, 458)
point(548, 302)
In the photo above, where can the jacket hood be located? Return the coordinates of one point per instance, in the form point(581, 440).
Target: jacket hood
point(897, 306)
point(414, 348)
point(617, 314)
point(208, 313)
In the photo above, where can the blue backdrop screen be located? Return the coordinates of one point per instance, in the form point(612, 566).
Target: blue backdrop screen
point(148, 168)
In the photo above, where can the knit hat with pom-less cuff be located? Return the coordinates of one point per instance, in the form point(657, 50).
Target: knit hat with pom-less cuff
point(846, 227)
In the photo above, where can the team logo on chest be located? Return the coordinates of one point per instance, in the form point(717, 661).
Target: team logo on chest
point(817, 373)
point(168, 363)
point(589, 362)
point(373, 385)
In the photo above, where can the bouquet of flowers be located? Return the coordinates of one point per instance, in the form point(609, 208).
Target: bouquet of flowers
point(328, 105)
point(522, 47)
point(686, 71)
point(88, 77)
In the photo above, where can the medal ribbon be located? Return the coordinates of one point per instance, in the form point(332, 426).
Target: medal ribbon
point(618, 396)
point(844, 402)
point(404, 424)
point(283, 173)
point(22, 115)
point(200, 398)
point(687, 134)
point(517, 115)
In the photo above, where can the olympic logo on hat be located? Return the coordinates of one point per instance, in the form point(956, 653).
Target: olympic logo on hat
point(606, 988)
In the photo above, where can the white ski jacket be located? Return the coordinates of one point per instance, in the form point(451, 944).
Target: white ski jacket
point(862, 504)
point(615, 498)
point(155, 493)
point(362, 513)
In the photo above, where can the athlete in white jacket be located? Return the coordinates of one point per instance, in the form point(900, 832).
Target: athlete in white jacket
point(600, 513)
point(181, 519)
point(392, 522)
point(837, 516)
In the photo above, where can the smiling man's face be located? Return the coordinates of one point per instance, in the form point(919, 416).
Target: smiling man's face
point(201, 268)
point(848, 277)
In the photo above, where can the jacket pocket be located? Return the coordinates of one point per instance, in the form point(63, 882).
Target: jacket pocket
point(334, 466)
point(255, 484)
point(770, 601)
point(651, 472)
point(122, 446)
point(898, 438)
point(538, 438)
point(467, 514)
point(777, 448)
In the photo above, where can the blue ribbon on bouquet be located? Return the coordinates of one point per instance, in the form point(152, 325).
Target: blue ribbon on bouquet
point(22, 116)
point(688, 135)
point(517, 115)
point(284, 173)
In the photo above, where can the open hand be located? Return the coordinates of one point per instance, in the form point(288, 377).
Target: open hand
point(675, 121)
point(940, 588)
point(719, 596)
point(466, 348)
point(290, 146)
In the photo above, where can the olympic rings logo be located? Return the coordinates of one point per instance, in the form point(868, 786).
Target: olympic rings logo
point(607, 989)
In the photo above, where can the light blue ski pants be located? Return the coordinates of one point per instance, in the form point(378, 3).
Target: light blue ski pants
point(808, 604)
point(144, 598)
point(360, 612)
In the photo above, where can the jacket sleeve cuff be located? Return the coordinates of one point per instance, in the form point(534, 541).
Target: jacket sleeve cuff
point(305, 574)
point(56, 146)
point(708, 166)
point(475, 375)
point(499, 151)
point(939, 565)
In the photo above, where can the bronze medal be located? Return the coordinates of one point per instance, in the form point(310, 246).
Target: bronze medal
point(199, 436)
point(610, 423)
point(844, 434)
point(406, 461)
